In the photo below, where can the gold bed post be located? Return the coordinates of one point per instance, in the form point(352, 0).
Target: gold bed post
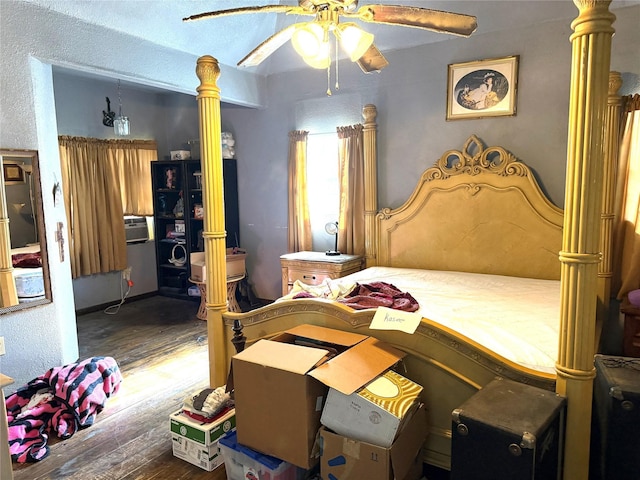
point(214, 234)
point(612, 144)
point(591, 53)
point(369, 113)
point(8, 292)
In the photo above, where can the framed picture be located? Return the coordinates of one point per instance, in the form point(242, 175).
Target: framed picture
point(482, 88)
point(13, 174)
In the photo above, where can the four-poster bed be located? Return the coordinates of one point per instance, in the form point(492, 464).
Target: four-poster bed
point(513, 231)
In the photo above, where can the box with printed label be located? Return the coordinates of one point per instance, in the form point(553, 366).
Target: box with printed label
point(344, 458)
point(205, 434)
point(197, 442)
point(376, 413)
point(280, 386)
point(208, 458)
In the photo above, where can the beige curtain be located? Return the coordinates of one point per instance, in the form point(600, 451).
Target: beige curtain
point(626, 246)
point(351, 216)
point(299, 221)
point(102, 181)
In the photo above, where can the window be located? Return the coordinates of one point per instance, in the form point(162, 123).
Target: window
point(324, 187)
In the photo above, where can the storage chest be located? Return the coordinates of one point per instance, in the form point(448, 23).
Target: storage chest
point(508, 430)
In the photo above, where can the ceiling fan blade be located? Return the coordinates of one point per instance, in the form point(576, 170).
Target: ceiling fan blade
point(266, 48)
point(418, 17)
point(372, 60)
point(264, 9)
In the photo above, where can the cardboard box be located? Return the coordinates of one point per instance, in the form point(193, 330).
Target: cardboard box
point(205, 434)
point(343, 458)
point(235, 266)
point(198, 267)
point(180, 154)
point(197, 442)
point(376, 413)
point(281, 385)
point(208, 458)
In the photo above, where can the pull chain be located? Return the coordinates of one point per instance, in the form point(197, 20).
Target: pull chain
point(336, 52)
point(329, 80)
point(119, 100)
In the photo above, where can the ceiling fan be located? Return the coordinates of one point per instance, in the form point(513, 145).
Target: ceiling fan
point(311, 39)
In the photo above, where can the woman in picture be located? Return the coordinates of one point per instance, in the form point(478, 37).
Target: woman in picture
point(480, 97)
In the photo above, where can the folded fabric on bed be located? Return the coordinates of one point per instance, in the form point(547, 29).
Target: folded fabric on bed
point(379, 294)
point(358, 296)
point(26, 260)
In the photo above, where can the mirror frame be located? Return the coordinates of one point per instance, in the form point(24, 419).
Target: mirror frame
point(5, 235)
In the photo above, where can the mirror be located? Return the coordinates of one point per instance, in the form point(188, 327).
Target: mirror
point(24, 275)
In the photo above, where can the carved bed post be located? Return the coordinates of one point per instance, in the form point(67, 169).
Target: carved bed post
point(214, 234)
point(580, 257)
point(612, 145)
point(369, 113)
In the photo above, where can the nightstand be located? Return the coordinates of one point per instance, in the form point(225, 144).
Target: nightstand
point(313, 268)
point(631, 342)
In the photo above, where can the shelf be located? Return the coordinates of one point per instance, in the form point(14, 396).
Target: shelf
point(170, 281)
point(173, 241)
point(171, 266)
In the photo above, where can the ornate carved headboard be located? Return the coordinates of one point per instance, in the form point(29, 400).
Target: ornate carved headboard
point(476, 210)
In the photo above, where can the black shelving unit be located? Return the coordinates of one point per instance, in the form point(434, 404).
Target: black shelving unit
point(179, 234)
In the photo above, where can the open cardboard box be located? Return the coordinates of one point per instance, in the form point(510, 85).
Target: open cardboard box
point(343, 458)
point(235, 265)
point(281, 385)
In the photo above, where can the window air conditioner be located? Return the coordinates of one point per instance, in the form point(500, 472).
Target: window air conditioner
point(136, 230)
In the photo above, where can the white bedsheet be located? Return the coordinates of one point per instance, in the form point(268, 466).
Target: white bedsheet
point(517, 318)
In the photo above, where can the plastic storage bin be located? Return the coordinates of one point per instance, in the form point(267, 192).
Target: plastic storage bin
point(243, 463)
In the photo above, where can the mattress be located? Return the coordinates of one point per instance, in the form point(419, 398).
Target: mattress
point(517, 318)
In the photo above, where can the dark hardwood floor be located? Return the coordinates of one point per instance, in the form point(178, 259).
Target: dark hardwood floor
point(161, 349)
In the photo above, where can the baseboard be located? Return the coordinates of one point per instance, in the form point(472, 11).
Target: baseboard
point(95, 308)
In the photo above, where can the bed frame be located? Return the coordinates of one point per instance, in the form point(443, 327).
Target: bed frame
point(477, 210)
point(488, 182)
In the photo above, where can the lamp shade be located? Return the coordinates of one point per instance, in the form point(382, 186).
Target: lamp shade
point(354, 40)
point(307, 39)
point(322, 59)
point(121, 126)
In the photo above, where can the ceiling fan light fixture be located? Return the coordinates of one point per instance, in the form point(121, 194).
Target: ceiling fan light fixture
point(322, 59)
point(354, 40)
point(308, 39)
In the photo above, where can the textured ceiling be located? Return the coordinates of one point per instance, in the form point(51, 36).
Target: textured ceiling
point(230, 38)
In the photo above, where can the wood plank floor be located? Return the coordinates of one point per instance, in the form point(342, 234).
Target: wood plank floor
point(161, 348)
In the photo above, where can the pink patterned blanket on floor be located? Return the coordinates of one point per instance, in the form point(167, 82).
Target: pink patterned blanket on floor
point(61, 401)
